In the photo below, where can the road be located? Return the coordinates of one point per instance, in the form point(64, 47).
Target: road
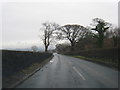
point(69, 72)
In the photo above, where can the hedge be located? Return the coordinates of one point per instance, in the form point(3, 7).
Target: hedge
point(15, 61)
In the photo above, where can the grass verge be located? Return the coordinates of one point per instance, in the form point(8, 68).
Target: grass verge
point(99, 61)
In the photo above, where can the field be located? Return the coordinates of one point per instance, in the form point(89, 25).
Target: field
point(14, 62)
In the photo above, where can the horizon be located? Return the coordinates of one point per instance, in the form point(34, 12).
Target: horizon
point(21, 22)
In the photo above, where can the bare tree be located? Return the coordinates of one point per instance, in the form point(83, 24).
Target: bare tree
point(73, 33)
point(34, 48)
point(100, 28)
point(48, 36)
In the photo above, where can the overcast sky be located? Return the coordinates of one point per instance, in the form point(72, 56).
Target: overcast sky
point(21, 21)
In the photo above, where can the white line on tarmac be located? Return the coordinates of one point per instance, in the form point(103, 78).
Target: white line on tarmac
point(51, 61)
point(79, 73)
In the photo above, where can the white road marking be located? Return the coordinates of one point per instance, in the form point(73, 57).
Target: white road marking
point(79, 73)
point(51, 61)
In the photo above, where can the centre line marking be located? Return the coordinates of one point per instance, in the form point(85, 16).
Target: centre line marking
point(79, 73)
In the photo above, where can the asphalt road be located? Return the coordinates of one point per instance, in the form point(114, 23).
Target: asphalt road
point(68, 72)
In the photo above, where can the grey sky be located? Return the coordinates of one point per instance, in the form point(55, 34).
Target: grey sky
point(21, 21)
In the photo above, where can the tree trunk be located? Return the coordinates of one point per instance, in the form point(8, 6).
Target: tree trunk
point(101, 40)
point(46, 48)
point(100, 43)
point(72, 46)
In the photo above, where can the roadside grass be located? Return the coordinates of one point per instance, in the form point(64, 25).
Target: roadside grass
point(35, 66)
point(99, 61)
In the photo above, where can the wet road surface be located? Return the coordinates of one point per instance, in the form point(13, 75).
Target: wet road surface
point(69, 72)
